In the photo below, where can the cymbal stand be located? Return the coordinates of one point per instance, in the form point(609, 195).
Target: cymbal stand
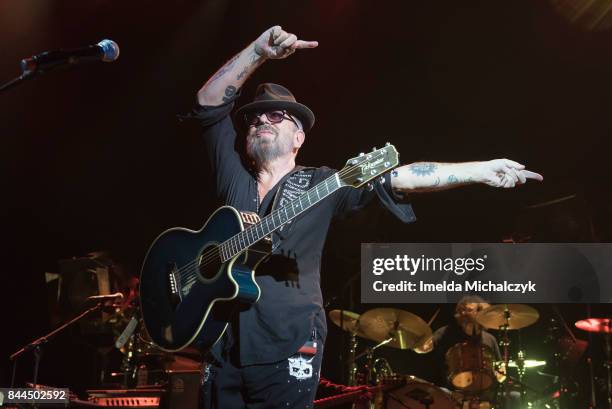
point(368, 353)
point(520, 366)
point(505, 344)
point(352, 368)
point(608, 363)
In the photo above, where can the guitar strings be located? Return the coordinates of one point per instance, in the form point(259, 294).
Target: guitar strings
point(188, 273)
point(212, 254)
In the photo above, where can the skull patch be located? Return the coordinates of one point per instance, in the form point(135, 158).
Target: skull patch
point(300, 367)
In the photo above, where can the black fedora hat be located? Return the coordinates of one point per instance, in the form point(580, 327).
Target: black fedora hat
point(270, 96)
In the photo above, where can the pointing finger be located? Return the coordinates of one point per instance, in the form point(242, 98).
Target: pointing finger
point(532, 175)
point(305, 44)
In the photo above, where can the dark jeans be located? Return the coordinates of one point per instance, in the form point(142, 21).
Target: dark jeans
point(290, 383)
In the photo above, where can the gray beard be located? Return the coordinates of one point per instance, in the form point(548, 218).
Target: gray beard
point(263, 152)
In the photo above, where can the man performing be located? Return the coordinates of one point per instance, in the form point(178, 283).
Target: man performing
point(270, 355)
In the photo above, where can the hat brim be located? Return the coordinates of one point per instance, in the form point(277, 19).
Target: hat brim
point(304, 114)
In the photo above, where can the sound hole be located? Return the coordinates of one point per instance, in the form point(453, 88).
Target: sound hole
point(210, 262)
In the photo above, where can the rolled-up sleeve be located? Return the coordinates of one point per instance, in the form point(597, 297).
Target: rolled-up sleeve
point(351, 200)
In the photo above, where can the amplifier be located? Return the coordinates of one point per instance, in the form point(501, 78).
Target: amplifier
point(126, 398)
point(181, 391)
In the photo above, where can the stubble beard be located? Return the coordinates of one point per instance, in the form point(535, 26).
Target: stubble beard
point(263, 151)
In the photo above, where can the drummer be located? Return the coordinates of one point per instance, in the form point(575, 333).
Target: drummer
point(463, 328)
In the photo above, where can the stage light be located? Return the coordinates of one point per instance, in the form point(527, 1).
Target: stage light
point(589, 14)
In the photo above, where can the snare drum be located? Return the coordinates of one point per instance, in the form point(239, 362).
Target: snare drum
point(418, 394)
point(470, 366)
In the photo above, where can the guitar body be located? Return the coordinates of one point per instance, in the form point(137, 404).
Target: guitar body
point(188, 294)
point(193, 282)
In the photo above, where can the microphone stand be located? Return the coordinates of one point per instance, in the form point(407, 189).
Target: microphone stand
point(15, 81)
point(37, 344)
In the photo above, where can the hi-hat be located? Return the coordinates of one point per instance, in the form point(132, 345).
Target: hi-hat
point(509, 316)
point(602, 325)
point(350, 321)
point(404, 329)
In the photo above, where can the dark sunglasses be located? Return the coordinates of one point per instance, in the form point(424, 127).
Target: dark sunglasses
point(252, 118)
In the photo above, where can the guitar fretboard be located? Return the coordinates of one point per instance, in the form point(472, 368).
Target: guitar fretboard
point(277, 218)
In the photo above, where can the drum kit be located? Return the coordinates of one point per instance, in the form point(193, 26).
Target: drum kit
point(473, 367)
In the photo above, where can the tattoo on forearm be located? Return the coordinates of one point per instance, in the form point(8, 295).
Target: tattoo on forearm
point(423, 168)
point(223, 70)
point(253, 61)
point(254, 56)
point(230, 91)
point(453, 180)
point(243, 73)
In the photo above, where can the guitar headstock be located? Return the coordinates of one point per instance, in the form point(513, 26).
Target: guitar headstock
point(367, 166)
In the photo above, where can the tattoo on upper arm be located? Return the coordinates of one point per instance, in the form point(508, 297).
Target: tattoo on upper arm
point(230, 91)
point(223, 70)
point(423, 168)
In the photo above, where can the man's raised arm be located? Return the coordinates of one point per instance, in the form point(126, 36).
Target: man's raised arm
point(274, 43)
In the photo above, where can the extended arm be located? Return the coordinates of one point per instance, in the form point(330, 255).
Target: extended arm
point(433, 176)
point(274, 43)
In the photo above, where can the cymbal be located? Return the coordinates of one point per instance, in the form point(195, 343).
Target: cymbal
point(405, 329)
point(519, 316)
point(603, 325)
point(527, 363)
point(350, 321)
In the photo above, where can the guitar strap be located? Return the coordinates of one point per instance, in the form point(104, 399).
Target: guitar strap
point(291, 186)
point(299, 180)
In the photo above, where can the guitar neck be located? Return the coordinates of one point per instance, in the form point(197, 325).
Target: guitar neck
point(279, 217)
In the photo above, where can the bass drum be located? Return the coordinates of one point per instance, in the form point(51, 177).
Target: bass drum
point(418, 394)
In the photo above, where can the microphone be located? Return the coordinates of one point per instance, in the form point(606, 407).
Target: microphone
point(106, 297)
point(105, 50)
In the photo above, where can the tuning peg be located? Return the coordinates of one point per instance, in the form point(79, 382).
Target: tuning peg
point(359, 179)
point(370, 187)
point(361, 154)
point(387, 143)
point(374, 149)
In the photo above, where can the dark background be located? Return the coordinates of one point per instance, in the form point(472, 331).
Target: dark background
point(94, 158)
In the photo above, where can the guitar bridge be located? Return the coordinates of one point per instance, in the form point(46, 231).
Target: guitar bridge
point(173, 285)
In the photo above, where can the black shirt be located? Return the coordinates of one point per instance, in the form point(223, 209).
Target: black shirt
point(291, 304)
